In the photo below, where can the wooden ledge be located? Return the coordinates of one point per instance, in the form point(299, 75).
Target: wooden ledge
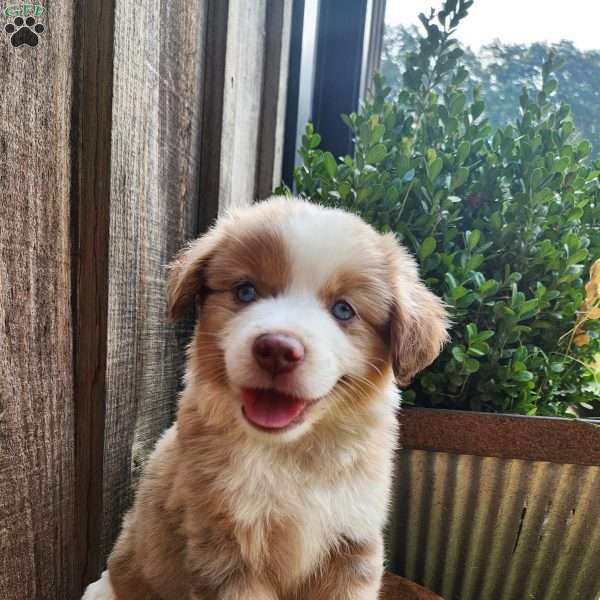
point(562, 441)
point(398, 588)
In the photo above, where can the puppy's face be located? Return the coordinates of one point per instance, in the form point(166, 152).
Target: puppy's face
point(305, 312)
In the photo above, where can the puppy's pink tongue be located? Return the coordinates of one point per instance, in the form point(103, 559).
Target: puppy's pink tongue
point(271, 409)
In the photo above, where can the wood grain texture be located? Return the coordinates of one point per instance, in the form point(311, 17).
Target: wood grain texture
point(215, 49)
point(37, 416)
point(154, 189)
point(247, 56)
point(244, 71)
point(90, 197)
point(269, 153)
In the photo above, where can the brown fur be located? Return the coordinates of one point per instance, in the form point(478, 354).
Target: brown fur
point(220, 515)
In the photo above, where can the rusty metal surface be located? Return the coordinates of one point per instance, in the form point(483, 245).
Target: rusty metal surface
point(486, 528)
point(503, 436)
point(398, 588)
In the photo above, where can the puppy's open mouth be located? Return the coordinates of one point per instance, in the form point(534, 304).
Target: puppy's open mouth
point(272, 410)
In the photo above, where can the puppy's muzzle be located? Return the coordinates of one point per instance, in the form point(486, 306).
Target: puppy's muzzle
point(278, 353)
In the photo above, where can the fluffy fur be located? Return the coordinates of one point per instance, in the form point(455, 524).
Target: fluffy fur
point(228, 511)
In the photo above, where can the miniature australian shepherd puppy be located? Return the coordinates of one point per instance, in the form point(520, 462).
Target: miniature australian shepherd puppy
point(274, 482)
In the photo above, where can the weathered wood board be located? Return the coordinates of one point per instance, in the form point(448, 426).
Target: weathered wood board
point(37, 467)
point(154, 198)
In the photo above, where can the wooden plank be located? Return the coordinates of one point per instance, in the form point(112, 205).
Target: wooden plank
point(154, 188)
point(244, 72)
point(37, 425)
point(274, 97)
point(215, 50)
point(563, 441)
point(247, 58)
point(91, 146)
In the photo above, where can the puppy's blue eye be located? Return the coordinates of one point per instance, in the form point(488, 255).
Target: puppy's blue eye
point(342, 311)
point(246, 293)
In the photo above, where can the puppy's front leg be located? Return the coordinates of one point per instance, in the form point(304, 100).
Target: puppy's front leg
point(353, 573)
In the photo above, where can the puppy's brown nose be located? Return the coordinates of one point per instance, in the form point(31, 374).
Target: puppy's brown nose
point(277, 352)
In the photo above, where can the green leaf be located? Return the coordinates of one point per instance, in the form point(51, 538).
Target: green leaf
point(550, 86)
point(536, 178)
point(344, 189)
point(523, 376)
point(485, 335)
point(427, 247)
point(458, 292)
point(473, 238)
point(478, 349)
point(435, 168)
point(314, 140)
point(458, 354)
point(376, 154)
point(457, 104)
point(471, 330)
point(471, 365)
point(578, 256)
point(347, 121)
point(528, 306)
point(459, 177)
point(450, 280)
point(489, 287)
point(408, 176)
point(377, 134)
point(463, 151)
point(584, 148)
point(330, 164)
point(477, 109)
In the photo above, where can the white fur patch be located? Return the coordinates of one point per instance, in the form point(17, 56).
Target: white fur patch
point(100, 590)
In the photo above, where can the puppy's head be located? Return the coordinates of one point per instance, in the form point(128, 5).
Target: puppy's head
point(306, 313)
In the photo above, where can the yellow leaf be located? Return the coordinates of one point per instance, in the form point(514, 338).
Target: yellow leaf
point(592, 292)
point(583, 339)
point(593, 313)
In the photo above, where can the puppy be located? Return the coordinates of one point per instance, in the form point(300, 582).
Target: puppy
point(274, 482)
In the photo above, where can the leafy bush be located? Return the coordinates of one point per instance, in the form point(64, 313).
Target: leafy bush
point(505, 224)
point(502, 69)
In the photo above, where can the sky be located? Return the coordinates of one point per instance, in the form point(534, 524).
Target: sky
point(514, 21)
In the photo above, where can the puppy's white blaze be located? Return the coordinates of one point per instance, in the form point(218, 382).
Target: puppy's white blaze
point(329, 352)
point(321, 242)
point(100, 590)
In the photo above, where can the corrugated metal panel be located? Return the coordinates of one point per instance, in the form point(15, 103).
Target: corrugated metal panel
point(482, 528)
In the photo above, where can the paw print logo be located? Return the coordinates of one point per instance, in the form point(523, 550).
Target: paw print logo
point(24, 31)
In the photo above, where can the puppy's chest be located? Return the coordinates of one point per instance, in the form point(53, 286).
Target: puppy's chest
point(287, 523)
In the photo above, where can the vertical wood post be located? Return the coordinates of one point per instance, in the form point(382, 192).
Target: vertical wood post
point(91, 202)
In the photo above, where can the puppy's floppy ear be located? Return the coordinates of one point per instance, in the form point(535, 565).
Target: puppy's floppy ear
point(186, 273)
point(418, 321)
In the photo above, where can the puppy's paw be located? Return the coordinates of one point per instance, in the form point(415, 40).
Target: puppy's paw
point(100, 590)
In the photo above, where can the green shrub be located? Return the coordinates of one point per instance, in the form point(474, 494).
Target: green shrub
point(505, 224)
